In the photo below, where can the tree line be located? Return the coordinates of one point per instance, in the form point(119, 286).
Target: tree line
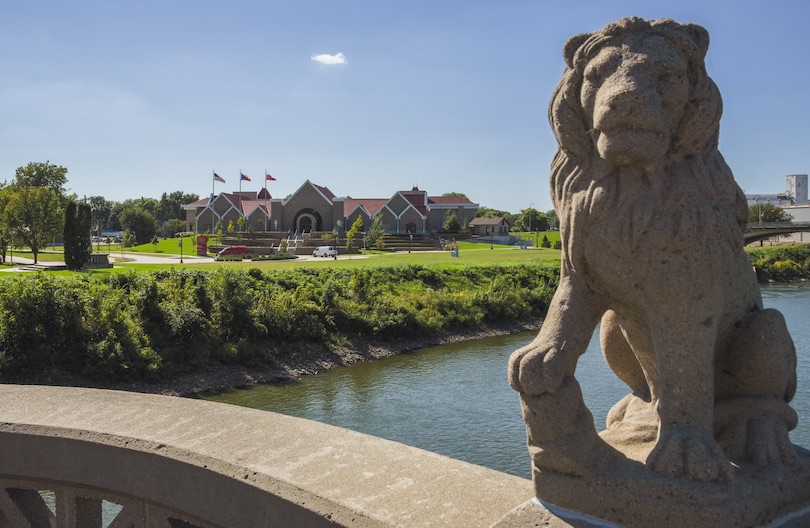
point(35, 208)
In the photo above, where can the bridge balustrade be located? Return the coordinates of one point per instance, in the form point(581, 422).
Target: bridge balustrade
point(88, 458)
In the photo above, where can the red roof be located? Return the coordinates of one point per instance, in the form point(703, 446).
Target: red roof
point(448, 200)
point(372, 205)
point(326, 192)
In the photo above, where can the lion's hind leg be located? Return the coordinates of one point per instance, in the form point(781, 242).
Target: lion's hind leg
point(754, 383)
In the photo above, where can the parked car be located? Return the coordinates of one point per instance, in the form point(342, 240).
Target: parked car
point(325, 251)
point(232, 250)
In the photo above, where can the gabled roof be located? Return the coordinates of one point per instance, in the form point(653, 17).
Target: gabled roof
point(325, 191)
point(371, 205)
point(195, 205)
point(483, 221)
point(250, 206)
point(327, 195)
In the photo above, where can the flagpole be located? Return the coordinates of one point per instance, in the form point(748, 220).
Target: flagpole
point(266, 212)
point(213, 182)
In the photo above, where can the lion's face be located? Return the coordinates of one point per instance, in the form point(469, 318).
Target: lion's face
point(635, 91)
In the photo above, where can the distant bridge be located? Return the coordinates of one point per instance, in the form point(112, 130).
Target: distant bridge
point(756, 231)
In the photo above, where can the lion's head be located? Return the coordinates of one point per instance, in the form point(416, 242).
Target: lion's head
point(636, 96)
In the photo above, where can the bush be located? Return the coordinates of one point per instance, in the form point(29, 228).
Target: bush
point(153, 325)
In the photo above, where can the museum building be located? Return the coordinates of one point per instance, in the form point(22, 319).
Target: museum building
point(315, 208)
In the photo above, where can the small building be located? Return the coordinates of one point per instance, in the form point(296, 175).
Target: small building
point(495, 226)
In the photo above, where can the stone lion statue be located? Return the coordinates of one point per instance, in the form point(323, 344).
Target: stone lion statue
point(652, 227)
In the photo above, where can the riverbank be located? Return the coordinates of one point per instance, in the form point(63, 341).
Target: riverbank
point(298, 361)
point(307, 359)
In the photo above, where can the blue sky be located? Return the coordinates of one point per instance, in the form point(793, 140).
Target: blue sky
point(140, 98)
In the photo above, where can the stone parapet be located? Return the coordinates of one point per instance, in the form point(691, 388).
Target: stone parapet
point(183, 462)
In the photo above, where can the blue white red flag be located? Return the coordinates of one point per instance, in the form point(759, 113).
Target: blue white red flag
point(268, 177)
point(242, 177)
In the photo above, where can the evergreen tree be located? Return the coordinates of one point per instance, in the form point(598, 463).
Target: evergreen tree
point(77, 231)
point(69, 236)
point(84, 232)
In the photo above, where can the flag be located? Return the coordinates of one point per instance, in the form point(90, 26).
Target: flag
point(267, 177)
point(242, 177)
point(218, 178)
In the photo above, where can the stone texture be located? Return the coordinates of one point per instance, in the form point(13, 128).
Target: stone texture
point(652, 225)
point(235, 467)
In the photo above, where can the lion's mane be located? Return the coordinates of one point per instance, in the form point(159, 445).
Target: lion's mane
point(695, 179)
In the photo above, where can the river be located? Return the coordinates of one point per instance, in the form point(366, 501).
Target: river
point(454, 399)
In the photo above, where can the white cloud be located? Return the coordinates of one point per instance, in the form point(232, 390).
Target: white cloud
point(325, 58)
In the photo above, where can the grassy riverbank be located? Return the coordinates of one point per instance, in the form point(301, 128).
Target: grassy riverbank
point(151, 326)
point(782, 263)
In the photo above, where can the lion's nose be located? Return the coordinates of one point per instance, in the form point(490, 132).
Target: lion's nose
point(625, 102)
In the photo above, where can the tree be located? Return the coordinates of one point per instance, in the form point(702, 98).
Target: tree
point(100, 210)
point(241, 222)
point(37, 174)
point(486, 212)
point(129, 238)
point(5, 228)
point(231, 227)
point(69, 235)
point(34, 216)
point(171, 227)
point(76, 234)
point(451, 223)
point(375, 235)
point(171, 205)
point(84, 233)
point(352, 232)
point(140, 222)
point(457, 195)
point(553, 220)
point(767, 213)
point(530, 220)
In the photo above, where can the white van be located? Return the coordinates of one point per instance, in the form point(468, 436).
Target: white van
point(324, 251)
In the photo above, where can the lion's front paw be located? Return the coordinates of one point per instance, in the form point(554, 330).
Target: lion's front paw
point(686, 452)
point(536, 370)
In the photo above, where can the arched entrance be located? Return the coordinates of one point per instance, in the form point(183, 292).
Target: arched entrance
point(308, 220)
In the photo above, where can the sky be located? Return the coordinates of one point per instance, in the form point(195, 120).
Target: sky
point(365, 97)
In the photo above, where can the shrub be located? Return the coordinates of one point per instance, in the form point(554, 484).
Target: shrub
point(152, 325)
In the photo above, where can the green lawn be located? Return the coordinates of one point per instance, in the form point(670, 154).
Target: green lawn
point(166, 246)
point(473, 257)
point(470, 254)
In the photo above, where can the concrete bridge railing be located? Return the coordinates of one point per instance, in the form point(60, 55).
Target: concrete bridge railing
point(72, 457)
point(756, 231)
